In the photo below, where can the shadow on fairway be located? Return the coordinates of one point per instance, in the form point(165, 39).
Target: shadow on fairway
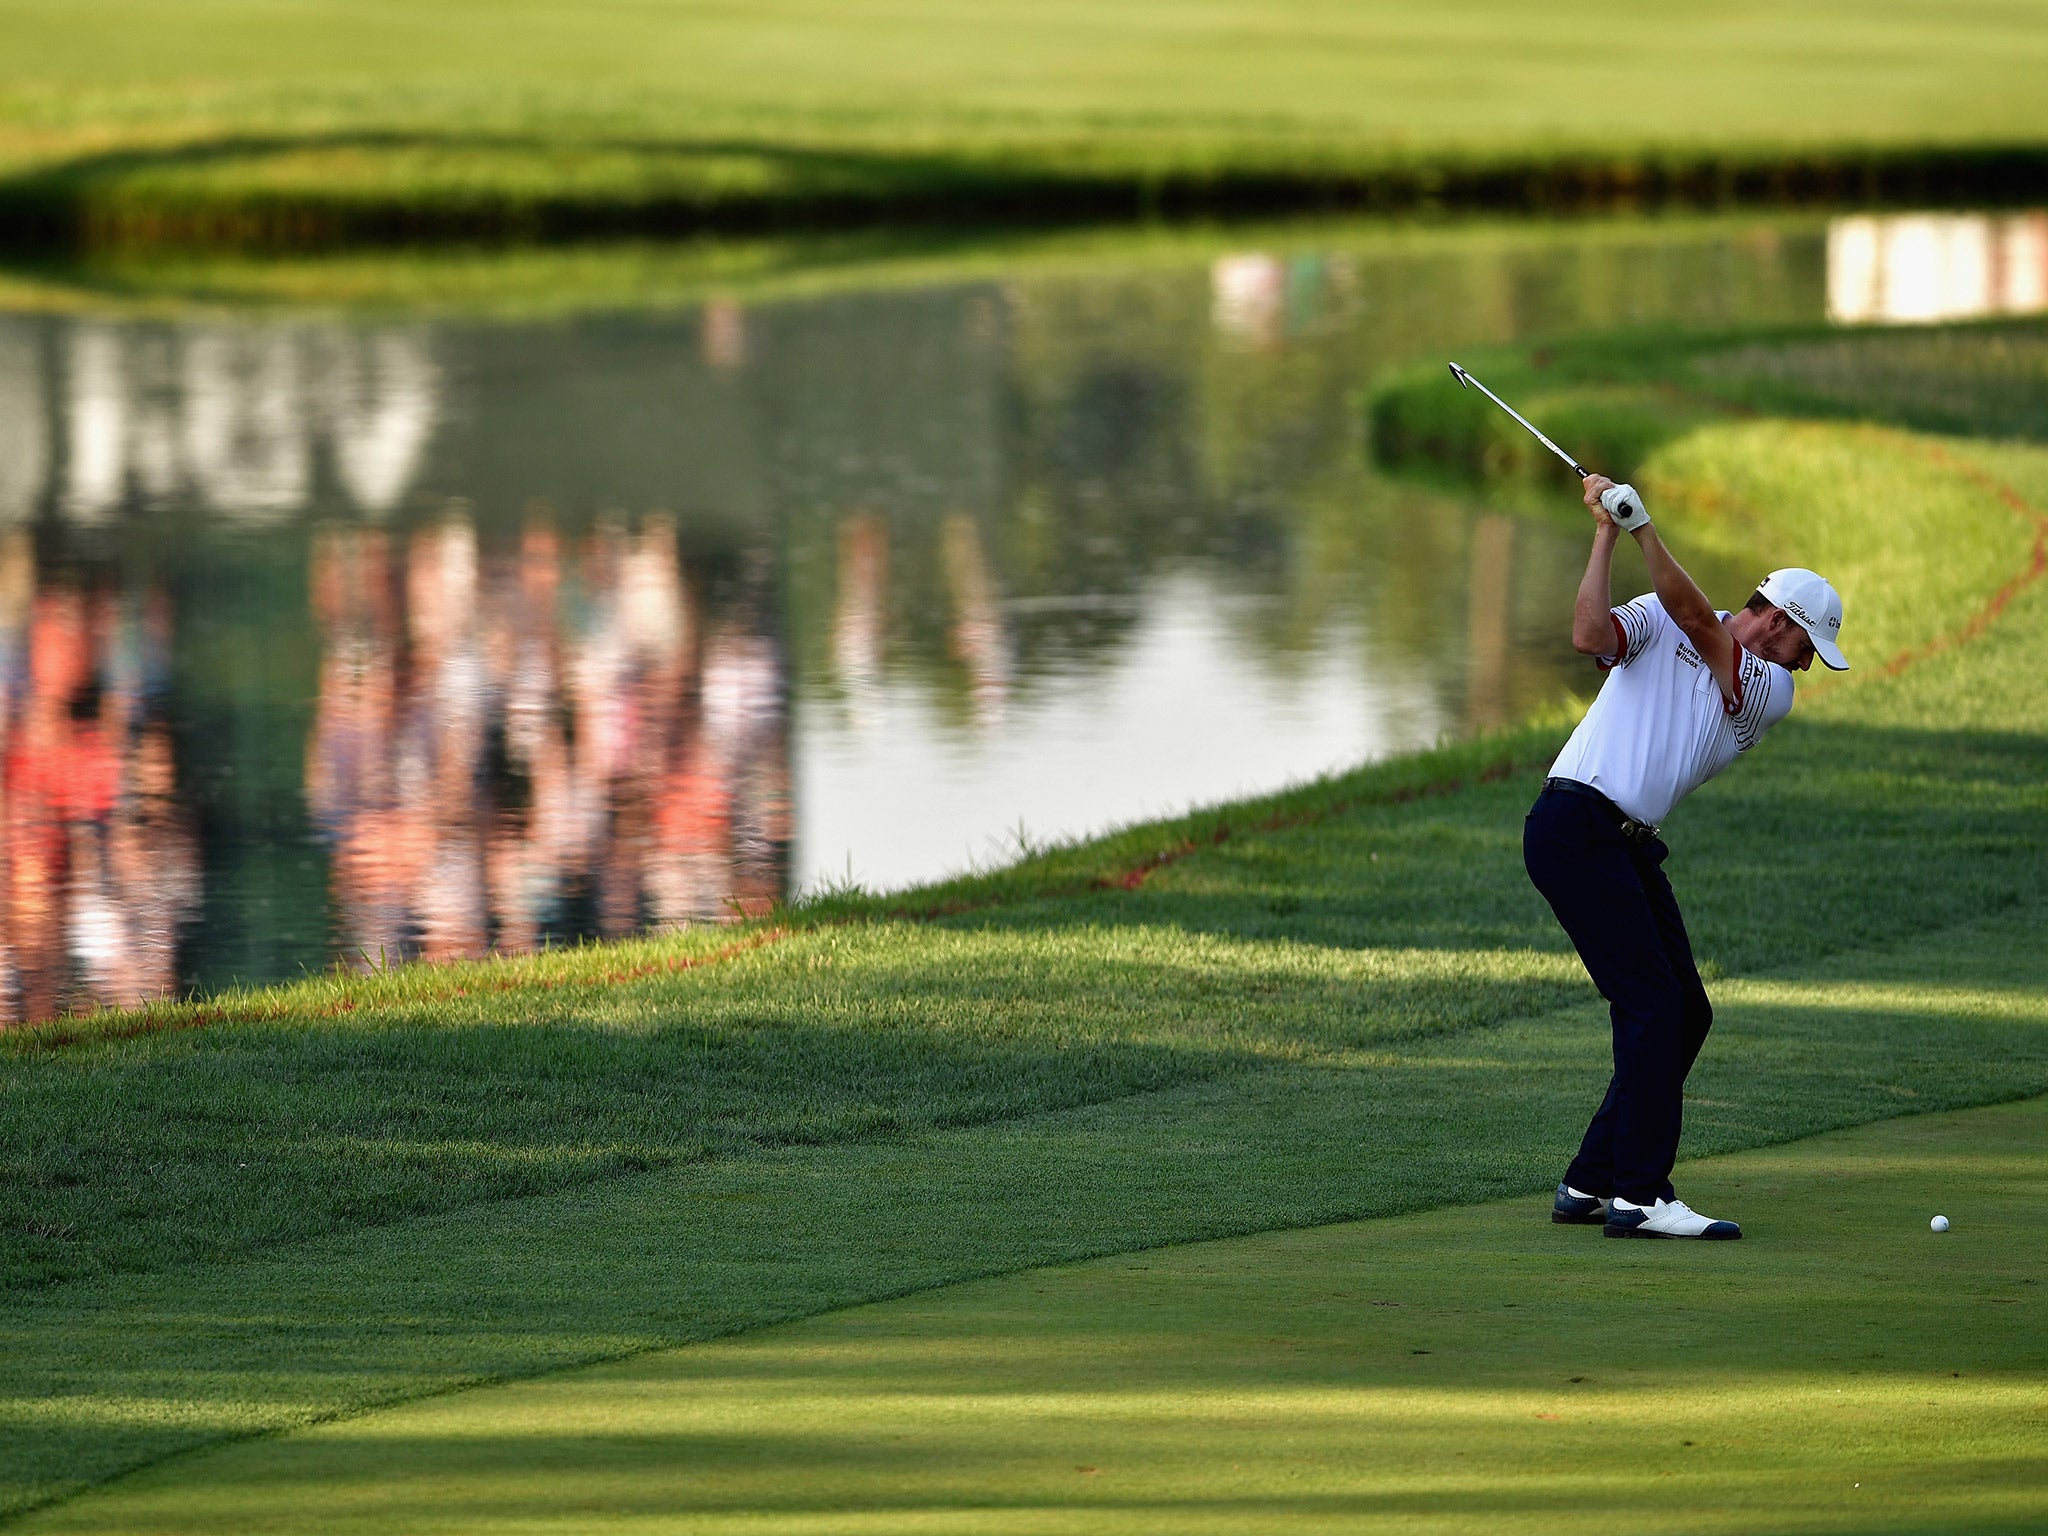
point(1841, 1368)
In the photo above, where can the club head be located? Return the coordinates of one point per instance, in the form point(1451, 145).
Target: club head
point(1464, 379)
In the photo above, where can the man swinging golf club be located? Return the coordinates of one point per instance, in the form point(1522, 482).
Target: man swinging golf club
point(1687, 690)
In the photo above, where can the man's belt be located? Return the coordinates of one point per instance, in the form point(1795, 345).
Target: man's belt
point(1635, 831)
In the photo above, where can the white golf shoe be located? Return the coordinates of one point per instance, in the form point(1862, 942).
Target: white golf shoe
point(1667, 1218)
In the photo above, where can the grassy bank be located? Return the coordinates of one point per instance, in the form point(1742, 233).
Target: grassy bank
point(1619, 399)
point(226, 122)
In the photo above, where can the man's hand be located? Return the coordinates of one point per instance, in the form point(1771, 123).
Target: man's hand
point(1595, 484)
point(1615, 504)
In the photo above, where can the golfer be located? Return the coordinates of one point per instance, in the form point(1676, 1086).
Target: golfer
point(1687, 690)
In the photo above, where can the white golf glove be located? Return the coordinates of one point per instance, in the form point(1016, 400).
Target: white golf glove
point(1625, 507)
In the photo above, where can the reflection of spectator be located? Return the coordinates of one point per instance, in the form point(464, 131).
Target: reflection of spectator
point(860, 616)
point(498, 738)
point(979, 639)
point(724, 333)
point(1247, 293)
point(135, 880)
point(24, 429)
point(98, 868)
point(1258, 300)
point(722, 823)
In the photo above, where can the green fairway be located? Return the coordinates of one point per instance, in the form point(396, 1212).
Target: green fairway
point(106, 1375)
point(226, 1218)
point(222, 121)
point(1842, 1369)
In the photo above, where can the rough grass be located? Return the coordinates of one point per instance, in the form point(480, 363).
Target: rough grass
point(225, 121)
point(1461, 1369)
point(1348, 1003)
point(1989, 381)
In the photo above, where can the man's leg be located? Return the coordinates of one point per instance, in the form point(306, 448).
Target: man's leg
point(1699, 1012)
point(1586, 870)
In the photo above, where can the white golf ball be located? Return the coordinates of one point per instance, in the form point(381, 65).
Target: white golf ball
point(1939, 1224)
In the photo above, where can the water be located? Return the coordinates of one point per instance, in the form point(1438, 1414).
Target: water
point(329, 638)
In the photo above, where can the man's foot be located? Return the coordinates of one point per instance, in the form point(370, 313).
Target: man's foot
point(1667, 1218)
point(1574, 1209)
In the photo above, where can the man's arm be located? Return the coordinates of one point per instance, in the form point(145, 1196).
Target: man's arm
point(1593, 615)
point(1683, 601)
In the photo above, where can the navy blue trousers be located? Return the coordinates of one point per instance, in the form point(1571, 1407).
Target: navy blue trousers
point(1611, 896)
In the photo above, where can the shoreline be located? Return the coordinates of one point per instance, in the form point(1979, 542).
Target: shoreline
point(105, 204)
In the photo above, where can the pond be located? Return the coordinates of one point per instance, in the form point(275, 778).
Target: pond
point(327, 637)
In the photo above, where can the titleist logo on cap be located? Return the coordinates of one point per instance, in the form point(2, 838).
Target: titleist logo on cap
point(1799, 613)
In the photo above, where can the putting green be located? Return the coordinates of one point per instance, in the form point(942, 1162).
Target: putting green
point(1840, 1369)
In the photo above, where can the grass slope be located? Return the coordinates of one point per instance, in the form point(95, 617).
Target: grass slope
point(109, 1375)
point(1463, 1369)
point(1341, 1002)
point(226, 120)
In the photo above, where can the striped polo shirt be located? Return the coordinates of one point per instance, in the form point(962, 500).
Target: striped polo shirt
point(1661, 727)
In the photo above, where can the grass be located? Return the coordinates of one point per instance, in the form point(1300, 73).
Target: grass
point(1451, 1370)
point(131, 1369)
point(1944, 379)
point(136, 122)
point(279, 1208)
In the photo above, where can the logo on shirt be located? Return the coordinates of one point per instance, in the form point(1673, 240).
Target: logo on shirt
point(1688, 655)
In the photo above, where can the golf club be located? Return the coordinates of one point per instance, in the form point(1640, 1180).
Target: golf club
point(1471, 383)
point(1620, 500)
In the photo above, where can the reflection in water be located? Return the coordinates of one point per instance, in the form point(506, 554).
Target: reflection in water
point(860, 613)
point(1061, 549)
point(500, 741)
point(1915, 268)
point(1249, 289)
point(724, 334)
point(977, 630)
point(24, 431)
point(1488, 702)
point(99, 867)
point(237, 418)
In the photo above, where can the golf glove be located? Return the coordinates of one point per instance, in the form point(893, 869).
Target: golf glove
point(1625, 507)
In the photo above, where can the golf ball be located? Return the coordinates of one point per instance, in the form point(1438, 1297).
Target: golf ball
point(1939, 1224)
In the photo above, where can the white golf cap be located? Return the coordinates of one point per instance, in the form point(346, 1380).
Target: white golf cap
point(1815, 606)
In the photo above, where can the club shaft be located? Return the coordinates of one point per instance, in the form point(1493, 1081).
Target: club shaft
point(1577, 469)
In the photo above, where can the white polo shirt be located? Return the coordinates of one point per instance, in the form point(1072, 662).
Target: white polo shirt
point(1661, 726)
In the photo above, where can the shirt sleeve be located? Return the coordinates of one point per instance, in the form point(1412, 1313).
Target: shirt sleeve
point(1635, 625)
point(1763, 697)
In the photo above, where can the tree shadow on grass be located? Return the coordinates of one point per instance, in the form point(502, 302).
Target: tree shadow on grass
point(90, 200)
point(170, 1149)
point(125, 1370)
point(1260, 1323)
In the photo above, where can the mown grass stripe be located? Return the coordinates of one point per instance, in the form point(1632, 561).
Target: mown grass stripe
point(1464, 1368)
